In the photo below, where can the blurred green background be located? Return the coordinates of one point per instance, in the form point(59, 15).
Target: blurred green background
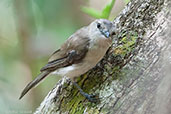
point(30, 31)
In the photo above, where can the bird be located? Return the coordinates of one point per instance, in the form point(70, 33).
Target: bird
point(78, 54)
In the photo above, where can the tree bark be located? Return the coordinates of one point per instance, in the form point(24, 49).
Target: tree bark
point(134, 76)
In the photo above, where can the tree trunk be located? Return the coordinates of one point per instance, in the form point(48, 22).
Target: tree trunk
point(133, 77)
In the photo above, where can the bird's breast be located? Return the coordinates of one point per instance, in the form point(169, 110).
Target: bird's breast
point(97, 50)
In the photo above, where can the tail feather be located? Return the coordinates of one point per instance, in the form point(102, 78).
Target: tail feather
point(33, 83)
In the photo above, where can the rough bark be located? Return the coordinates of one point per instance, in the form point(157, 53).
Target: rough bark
point(133, 77)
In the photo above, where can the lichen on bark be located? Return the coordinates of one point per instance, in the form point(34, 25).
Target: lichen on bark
point(127, 78)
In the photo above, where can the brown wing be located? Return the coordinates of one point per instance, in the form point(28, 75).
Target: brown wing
point(72, 51)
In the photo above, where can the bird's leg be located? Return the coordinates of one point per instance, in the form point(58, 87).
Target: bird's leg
point(91, 98)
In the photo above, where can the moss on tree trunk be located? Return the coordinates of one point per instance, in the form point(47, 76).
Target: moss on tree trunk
point(132, 77)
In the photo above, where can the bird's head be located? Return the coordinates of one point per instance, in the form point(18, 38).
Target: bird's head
point(102, 28)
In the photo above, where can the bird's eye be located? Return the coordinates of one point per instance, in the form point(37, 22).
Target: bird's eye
point(113, 33)
point(98, 25)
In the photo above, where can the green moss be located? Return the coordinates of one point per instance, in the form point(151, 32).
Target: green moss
point(127, 44)
point(74, 103)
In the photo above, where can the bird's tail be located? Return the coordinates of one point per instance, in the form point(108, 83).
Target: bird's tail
point(33, 83)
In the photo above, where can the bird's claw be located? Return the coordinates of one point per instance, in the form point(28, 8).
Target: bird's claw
point(92, 98)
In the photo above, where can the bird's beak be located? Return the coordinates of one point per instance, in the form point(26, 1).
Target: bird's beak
point(106, 33)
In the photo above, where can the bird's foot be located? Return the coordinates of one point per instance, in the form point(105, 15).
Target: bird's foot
point(91, 98)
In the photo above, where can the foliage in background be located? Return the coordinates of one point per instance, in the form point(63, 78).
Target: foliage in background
point(105, 13)
point(126, 1)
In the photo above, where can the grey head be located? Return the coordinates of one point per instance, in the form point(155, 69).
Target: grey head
point(103, 28)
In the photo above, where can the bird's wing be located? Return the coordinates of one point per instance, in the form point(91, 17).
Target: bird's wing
point(72, 51)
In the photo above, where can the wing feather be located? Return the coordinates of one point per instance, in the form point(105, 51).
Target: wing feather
point(77, 43)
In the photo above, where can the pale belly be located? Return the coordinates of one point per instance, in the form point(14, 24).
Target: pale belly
point(74, 70)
